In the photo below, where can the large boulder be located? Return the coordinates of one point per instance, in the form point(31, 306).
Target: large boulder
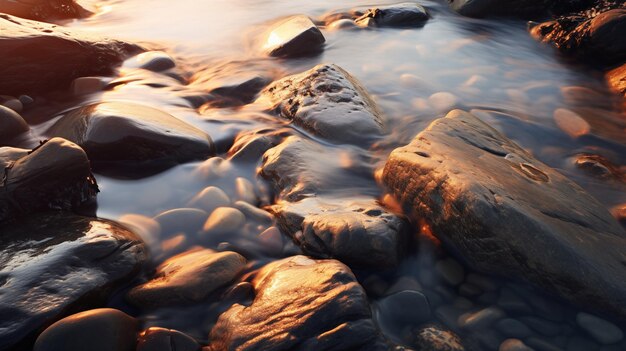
point(294, 36)
point(113, 132)
point(43, 10)
point(40, 57)
point(52, 263)
point(507, 213)
point(328, 102)
point(55, 175)
point(300, 304)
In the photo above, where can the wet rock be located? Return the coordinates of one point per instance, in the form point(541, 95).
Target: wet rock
point(451, 271)
point(161, 339)
point(181, 220)
point(223, 221)
point(542, 344)
point(571, 123)
point(209, 199)
point(43, 10)
point(12, 103)
point(617, 79)
point(103, 329)
point(11, 124)
point(480, 319)
point(398, 15)
point(513, 328)
point(598, 166)
point(295, 36)
point(155, 61)
point(41, 57)
point(327, 101)
point(514, 345)
point(499, 207)
point(188, 277)
point(542, 326)
point(55, 175)
point(88, 85)
point(301, 304)
point(601, 330)
point(116, 132)
point(402, 309)
point(54, 262)
point(485, 8)
point(437, 338)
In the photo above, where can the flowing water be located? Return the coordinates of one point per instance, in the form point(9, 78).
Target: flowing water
point(553, 108)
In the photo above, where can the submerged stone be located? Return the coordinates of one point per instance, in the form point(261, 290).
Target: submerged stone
point(499, 208)
point(398, 15)
point(485, 8)
point(161, 339)
point(54, 262)
point(11, 124)
point(156, 61)
point(295, 36)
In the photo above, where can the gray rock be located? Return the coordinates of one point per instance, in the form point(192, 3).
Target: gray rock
point(436, 338)
point(514, 345)
point(11, 102)
point(181, 220)
point(301, 304)
point(542, 326)
point(114, 132)
point(40, 57)
point(328, 102)
point(540, 344)
point(402, 309)
point(209, 199)
point(480, 319)
point(451, 271)
point(512, 328)
point(601, 330)
point(161, 339)
point(188, 277)
point(295, 36)
point(155, 61)
point(52, 263)
point(103, 329)
point(11, 124)
point(497, 206)
point(398, 15)
point(55, 175)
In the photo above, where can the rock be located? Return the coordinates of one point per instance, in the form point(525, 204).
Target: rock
point(498, 207)
point(480, 319)
point(41, 57)
point(485, 8)
point(148, 229)
point(26, 100)
point(43, 10)
point(514, 345)
point(11, 124)
point(404, 283)
point(55, 175)
point(11, 103)
point(571, 123)
point(295, 36)
point(343, 23)
point(543, 326)
point(328, 102)
point(188, 277)
point(398, 15)
point(114, 132)
point(617, 79)
point(541, 344)
point(161, 339)
point(451, 271)
point(209, 199)
point(155, 61)
point(513, 328)
point(181, 220)
point(223, 221)
point(55, 262)
point(402, 309)
point(436, 338)
point(245, 191)
point(601, 330)
point(102, 329)
point(598, 166)
point(301, 304)
point(88, 85)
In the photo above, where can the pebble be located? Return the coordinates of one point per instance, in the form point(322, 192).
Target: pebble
point(405, 308)
point(155, 61)
point(404, 283)
point(11, 102)
point(449, 315)
point(224, 220)
point(11, 123)
point(511, 302)
point(451, 271)
point(513, 328)
point(481, 319)
point(482, 282)
point(88, 85)
point(161, 339)
point(513, 345)
point(601, 330)
point(272, 240)
point(147, 228)
point(102, 329)
point(26, 100)
point(209, 199)
point(181, 220)
point(579, 343)
point(254, 213)
point(541, 325)
point(542, 345)
point(469, 290)
point(443, 101)
point(342, 24)
point(245, 191)
point(571, 123)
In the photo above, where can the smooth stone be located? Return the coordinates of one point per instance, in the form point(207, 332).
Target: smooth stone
point(510, 301)
point(11, 124)
point(44, 10)
point(224, 220)
point(513, 328)
point(469, 290)
point(598, 166)
point(102, 329)
point(254, 213)
point(480, 319)
point(129, 132)
point(326, 101)
point(482, 282)
point(26, 100)
point(148, 229)
point(542, 326)
point(517, 206)
point(451, 271)
point(155, 61)
point(181, 220)
point(398, 15)
point(449, 315)
point(344, 23)
point(486, 8)
point(189, 277)
point(404, 283)
point(295, 36)
point(209, 199)
point(44, 57)
point(579, 343)
point(12, 103)
point(540, 344)
point(571, 123)
point(437, 338)
point(244, 190)
point(601, 330)
point(489, 339)
point(301, 304)
point(53, 263)
point(513, 345)
point(616, 78)
point(161, 339)
point(55, 175)
point(88, 85)
point(402, 309)
point(272, 240)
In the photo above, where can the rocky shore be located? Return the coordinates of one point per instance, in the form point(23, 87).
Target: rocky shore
point(274, 202)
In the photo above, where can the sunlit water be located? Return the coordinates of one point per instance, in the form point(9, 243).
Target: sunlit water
point(492, 67)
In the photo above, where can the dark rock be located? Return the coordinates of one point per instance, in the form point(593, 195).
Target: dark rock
point(53, 263)
point(188, 277)
point(161, 339)
point(480, 319)
point(402, 309)
point(295, 36)
point(600, 167)
point(398, 15)
point(55, 175)
point(41, 57)
point(155, 61)
point(11, 124)
point(485, 8)
point(11, 102)
point(300, 304)
point(436, 338)
point(451, 271)
point(514, 345)
point(512, 328)
point(542, 326)
point(114, 132)
point(601, 330)
point(43, 10)
point(103, 329)
point(497, 206)
point(327, 101)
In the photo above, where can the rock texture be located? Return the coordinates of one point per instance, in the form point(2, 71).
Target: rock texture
point(43, 10)
point(161, 339)
point(617, 79)
point(509, 214)
point(116, 132)
point(55, 175)
point(295, 36)
point(300, 304)
point(327, 101)
point(51, 263)
point(40, 57)
point(485, 8)
point(398, 15)
point(11, 124)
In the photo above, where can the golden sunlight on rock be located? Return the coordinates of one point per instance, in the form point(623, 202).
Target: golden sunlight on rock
point(571, 123)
